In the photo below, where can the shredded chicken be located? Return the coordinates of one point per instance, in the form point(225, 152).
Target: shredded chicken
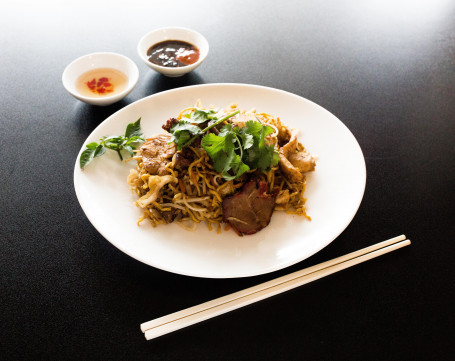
point(293, 163)
point(303, 161)
point(282, 197)
point(227, 189)
point(133, 178)
point(240, 119)
point(155, 183)
point(156, 153)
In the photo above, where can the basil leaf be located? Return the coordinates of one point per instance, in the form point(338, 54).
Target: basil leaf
point(129, 149)
point(114, 139)
point(99, 151)
point(134, 139)
point(86, 157)
point(134, 129)
point(133, 134)
point(114, 142)
point(92, 145)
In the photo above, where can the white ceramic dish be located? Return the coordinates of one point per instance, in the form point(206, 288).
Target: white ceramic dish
point(334, 191)
point(100, 60)
point(173, 33)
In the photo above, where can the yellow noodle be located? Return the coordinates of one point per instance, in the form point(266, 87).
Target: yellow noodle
point(205, 180)
point(217, 195)
point(160, 207)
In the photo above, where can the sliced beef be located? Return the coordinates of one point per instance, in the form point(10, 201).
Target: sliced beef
point(249, 210)
point(156, 153)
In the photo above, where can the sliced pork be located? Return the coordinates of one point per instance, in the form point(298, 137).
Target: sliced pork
point(250, 210)
point(156, 153)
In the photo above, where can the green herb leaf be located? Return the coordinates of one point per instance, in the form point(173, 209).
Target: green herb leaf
point(129, 149)
point(114, 142)
point(238, 167)
point(234, 152)
point(92, 145)
point(183, 131)
point(86, 157)
point(133, 135)
point(135, 139)
point(259, 155)
point(99, 151)
point(134, 129)
point(199, 116)
point(220, 149)
point(247, 140)
point(205, 130)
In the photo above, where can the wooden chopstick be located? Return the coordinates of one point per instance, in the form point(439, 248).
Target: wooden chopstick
point(204, 311)
point(186, 312)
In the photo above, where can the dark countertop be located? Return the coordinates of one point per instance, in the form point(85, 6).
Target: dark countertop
point(385, 69)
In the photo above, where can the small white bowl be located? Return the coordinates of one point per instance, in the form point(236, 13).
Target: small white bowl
point(174, 33)
point(100, 60)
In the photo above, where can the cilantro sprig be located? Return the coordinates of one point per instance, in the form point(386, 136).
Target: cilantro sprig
point(186, 132)
point(128, 142)
point(234, 150)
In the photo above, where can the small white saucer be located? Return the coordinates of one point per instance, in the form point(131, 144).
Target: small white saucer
point(100, 60)
point(174, 33)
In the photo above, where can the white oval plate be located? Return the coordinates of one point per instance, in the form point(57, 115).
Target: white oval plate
point(334, 191)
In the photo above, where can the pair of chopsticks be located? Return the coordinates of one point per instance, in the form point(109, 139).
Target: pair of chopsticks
point(177, 320)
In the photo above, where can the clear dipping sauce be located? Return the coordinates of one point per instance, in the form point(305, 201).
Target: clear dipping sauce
point(101, 82)
point(173, 53)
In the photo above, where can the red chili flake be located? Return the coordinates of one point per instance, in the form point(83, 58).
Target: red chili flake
point(101, 85)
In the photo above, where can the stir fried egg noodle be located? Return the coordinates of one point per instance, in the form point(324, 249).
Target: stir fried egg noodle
point(193, 193)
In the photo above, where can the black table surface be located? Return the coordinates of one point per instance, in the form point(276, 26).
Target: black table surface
point(385, 69)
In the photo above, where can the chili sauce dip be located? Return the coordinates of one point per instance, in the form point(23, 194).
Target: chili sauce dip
point(101, 82)
point(173, 53)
